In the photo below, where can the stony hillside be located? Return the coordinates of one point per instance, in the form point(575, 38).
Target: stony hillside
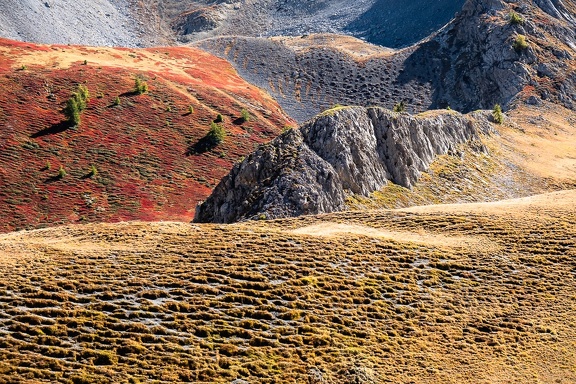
point(492, 52)
point(132, 156)
point(149, 22)
point(84, 22)
point(346, 150)
point(460, 294)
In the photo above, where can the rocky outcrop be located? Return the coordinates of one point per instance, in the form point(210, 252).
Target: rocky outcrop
point(475, 63)
point(350, 150)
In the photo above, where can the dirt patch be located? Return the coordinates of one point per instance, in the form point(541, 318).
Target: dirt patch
point(541, 204)
point(422, 237)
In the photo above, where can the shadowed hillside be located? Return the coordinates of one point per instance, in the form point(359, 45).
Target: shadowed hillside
point(135, 157)
point(395, 24)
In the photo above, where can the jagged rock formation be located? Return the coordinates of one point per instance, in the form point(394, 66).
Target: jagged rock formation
point(346, 150)
point(470, 64)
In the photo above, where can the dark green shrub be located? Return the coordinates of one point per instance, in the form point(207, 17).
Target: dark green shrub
point(497, 114)
point(93, 171)
point(219, 119)
point(116, 101)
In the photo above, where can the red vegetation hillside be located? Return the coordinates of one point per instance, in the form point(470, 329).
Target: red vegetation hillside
point(142, 149)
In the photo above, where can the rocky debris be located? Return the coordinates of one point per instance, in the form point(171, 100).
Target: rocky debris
point(308, 81)
point(470, 64)
point(149, 22)
point(377, 21)
point(83, 22)
point(196, 21)
point(346, 150)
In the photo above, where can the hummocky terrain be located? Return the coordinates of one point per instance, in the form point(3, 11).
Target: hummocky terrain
point(480, 293)
point(393, 289)
point(491, 52)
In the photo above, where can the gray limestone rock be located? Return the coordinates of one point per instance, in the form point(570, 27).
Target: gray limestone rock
point(346, 150)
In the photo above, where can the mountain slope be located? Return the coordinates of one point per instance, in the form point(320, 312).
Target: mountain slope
point(98, 23)
point(467, 294)
point(147, 153)
point(472, 63)
point(149, 22)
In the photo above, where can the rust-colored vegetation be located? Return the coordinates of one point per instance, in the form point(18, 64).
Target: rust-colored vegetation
point(142, 148)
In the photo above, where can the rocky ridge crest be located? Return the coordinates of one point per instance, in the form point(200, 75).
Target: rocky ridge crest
point(346, 150)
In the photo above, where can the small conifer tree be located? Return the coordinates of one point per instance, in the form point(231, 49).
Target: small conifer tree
point(76, 104)
point(245, 115)
point(216, 134)
point(497, 114)
point(520, 43)
point(515, 18)
point(61, 172)
point(140, 87)
point(72, 111)
point(399, 107)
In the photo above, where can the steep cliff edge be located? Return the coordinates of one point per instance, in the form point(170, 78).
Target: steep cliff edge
point(346, 150)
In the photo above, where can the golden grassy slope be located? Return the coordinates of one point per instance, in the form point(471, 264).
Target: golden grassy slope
point(465, 294)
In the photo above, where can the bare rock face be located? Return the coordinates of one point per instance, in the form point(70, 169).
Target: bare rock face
point(281, 179)
point(351, 150)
